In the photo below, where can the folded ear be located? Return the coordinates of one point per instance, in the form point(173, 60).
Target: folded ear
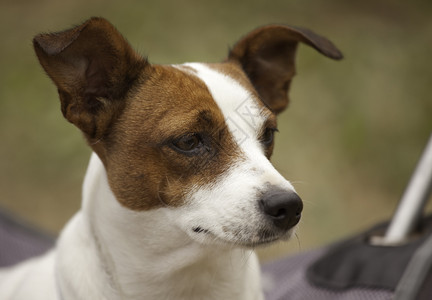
point(267, 56)
point(93, 67)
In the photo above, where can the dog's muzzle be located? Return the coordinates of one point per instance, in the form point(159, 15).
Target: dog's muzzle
point(283, 208)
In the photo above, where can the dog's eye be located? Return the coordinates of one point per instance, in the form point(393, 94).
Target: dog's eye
point(268, 136)
point(188, 143)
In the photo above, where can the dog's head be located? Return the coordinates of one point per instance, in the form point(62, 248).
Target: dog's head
point(195, 138)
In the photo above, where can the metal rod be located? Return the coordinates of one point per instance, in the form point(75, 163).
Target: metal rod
point(412, 203)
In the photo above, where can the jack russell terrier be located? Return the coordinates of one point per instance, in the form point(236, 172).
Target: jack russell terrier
point(179, 189)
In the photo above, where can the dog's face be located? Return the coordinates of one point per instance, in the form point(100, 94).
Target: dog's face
point(194, 138)
point(204, 151)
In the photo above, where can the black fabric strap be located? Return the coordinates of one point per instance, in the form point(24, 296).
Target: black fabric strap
point(357, 263)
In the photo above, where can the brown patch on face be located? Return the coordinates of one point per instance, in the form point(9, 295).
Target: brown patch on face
point(133, 113)
point(144, 169)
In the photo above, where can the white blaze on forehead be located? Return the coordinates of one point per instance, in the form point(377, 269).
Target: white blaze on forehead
point(245, 119)
point(222, 207)
point(243, 115)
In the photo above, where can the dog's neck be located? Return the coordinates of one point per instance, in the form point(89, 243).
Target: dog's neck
point(142, 255)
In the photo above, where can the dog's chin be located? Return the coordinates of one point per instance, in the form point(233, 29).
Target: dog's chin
point(249, 241)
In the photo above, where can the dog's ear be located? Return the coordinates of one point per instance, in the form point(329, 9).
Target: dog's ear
point(267, 56)
point(93, 67)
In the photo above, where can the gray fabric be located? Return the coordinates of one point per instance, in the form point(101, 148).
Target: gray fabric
point(416, 272)
point(18, 241)
point(286, 280)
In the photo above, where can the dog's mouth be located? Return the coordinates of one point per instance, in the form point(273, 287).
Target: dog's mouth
point(254, 240)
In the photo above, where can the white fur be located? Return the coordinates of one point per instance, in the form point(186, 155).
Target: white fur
point(223, 207)
point(110, 252)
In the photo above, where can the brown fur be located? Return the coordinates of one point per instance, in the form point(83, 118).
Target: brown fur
point(267, 56)
point(132, 112)
point(93, 68)
point(143, 169)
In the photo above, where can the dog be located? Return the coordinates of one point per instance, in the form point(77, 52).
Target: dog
point(179, 188)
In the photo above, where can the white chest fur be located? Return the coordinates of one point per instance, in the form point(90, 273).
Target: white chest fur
point(154, 260)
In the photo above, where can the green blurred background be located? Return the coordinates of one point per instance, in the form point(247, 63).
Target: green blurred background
point(349, 140)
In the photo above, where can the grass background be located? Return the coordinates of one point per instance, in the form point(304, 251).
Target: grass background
point(349, 140)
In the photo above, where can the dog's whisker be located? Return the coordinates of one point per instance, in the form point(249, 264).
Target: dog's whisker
point(296, 182)
point(309, 202)
point(160, 198)
point(247, 257)
point(298, 242)
point(96, 142)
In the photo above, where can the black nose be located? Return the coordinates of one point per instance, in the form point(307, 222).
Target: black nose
point(282, 207)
